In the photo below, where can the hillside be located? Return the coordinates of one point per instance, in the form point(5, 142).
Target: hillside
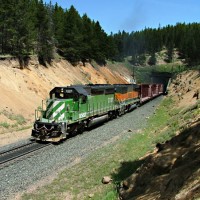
point(172, 170)
point(22, 90)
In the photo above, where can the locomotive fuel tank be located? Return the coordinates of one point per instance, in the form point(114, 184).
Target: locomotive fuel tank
point(98, 120)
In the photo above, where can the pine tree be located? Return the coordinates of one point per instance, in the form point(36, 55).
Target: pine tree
point(170, 52)
point(111, 49)
point(22, 38)
point(45, 40)
point(152, 59)
point(58, 21)
point(72, 39)
point(7, 25)
point(87, 38)
point(99, 44)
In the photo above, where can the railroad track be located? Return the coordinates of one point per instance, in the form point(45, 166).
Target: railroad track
point(13, 154)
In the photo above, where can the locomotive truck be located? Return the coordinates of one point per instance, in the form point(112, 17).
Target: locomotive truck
point(69, 110)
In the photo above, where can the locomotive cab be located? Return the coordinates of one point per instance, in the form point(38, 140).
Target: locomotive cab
point(61, 109)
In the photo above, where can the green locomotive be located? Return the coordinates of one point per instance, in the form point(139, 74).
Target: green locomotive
point(69, 110)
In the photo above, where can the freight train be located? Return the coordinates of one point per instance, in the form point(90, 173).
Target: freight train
point(71, 109)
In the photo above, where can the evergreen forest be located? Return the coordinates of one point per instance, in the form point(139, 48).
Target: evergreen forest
point(32, 27)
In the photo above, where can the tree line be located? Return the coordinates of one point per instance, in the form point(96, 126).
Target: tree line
point(183, 37)
point(32, 27)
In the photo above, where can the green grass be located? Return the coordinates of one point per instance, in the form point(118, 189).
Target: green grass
point(18, 118)
point(4, 124)
point(17, 121)
point(118, 160)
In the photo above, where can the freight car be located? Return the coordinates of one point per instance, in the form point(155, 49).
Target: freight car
point(69, 110)
point(149, 91)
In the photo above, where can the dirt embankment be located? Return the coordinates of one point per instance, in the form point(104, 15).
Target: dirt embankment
point(173, 170)
point(22, 90)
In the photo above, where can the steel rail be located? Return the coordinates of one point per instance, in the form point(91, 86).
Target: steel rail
point(15, 148)
point(20, 151)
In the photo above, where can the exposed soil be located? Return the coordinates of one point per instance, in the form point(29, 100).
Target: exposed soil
point(184, 88)
point(22, 90)
point(173, 170)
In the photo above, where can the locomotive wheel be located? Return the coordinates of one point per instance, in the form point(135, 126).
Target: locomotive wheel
point(115, 115)
point(77, 129)
point(112, 115)
point(81, 129)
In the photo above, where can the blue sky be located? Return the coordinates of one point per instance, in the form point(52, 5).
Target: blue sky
point(133, 15)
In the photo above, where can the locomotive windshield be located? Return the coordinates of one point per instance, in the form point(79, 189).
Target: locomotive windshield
point(63, 93)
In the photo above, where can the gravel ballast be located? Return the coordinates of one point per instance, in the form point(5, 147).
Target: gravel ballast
point(24, 173)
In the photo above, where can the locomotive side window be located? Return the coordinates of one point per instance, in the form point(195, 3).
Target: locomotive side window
point(83, 99)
